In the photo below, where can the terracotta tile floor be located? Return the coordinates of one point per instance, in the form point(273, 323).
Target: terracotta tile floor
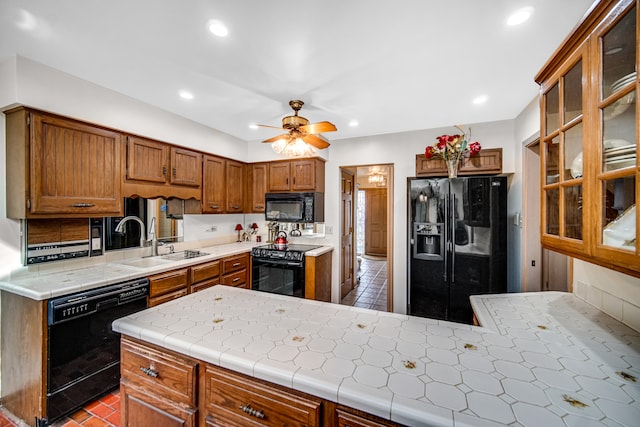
point(371, 292)
point(104, 412)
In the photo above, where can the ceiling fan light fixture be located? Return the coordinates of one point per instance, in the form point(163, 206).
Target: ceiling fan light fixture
point(294, 147)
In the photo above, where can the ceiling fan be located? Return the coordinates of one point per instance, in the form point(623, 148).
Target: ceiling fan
point(299, 129)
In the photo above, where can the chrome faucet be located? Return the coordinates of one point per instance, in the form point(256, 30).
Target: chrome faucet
point(152, 240)
point(123, 221)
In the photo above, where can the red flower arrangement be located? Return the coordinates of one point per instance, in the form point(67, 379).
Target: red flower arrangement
point(452, 147)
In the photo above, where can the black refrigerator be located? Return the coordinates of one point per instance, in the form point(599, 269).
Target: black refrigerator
point(457, 244)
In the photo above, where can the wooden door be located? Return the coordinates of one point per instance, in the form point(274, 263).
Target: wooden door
point(186, 167)
point(213, 185)
point(259, 173)
point(279, 174)
point(75, 168)
point(147, 160)
point(346, 233)
point(235, 186)
point(304, 175)
point(375, 223)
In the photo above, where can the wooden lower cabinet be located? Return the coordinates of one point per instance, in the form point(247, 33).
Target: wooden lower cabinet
point(235, 271)
point(139, 408)
point(160, 387)
point(168, 285)
point(231, 399)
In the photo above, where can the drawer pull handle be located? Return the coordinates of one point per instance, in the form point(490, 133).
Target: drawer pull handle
point(236, 279)
point(247, 409)
point(213, 206)
point(83, 205)
point(235, 264)
point(150, 372)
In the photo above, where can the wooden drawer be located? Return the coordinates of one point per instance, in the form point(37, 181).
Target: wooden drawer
point(235, 279)
point(167, 297)
point(205, 271)
point(355, 418)
point(169, 375)
point(170, 281)
point(235, 399)
point(205, 284)
point(139, 408)
point(235, 263)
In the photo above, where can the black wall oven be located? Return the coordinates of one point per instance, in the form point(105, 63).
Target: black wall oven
point(83, 358)
point(279, 271)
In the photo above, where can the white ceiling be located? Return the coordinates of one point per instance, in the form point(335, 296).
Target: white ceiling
point(391, 65)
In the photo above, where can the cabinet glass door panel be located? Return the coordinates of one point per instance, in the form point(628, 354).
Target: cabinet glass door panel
point(619, 54)
point(619, 213)
point(573, 93)
point(552, 108)
point(573, 152)
point(619, 134)
point(552, 160)
point(573, 212)
point(553, 211)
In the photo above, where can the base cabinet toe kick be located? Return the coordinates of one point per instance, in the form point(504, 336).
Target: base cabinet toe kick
point(162, 388)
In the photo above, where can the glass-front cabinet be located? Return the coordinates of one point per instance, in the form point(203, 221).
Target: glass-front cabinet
point(588, 139)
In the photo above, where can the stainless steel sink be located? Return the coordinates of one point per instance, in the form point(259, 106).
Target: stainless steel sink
point(177, 256)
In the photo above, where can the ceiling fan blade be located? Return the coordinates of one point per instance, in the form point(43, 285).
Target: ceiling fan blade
point(318, 141)
point(268, 126)
point(275, 138)
point(319, 127)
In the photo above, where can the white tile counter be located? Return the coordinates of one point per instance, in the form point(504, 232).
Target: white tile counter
point(535, 371)
point(50, 285)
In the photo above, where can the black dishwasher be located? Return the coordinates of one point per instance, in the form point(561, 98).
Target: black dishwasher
point(83, 357)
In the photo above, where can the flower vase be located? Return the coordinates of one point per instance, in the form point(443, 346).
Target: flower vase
point(452, 166)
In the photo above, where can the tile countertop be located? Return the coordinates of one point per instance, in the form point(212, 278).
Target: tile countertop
point(50, 285)
point(543, 359)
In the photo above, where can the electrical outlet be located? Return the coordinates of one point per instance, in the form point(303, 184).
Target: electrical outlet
point(212, 228)
point(328, 229)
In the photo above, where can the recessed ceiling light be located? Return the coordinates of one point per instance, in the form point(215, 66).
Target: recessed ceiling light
point(520, 16)
point(480, 99)
point(253, 126)
point(186, 95)
point(217, 28)
point(353, 123)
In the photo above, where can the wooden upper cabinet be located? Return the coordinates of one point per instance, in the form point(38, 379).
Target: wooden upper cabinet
point(297, 175)
point(258, 186)
point(61, 167)
point(235, 187)
point(158, 169)
point(186, 167)
point(589, 130)
point(214, 184)
point(156, 161)
point(487, 161)
point(147, 160)
point(279, 176)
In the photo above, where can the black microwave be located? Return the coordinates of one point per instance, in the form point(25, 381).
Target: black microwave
point(294, 207)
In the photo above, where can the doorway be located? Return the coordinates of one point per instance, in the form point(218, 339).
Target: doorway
point(366, 217)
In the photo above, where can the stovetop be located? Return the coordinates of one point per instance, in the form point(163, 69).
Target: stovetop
point(290, 252)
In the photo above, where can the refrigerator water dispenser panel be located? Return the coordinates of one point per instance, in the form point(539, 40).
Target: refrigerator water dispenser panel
point(428, 240)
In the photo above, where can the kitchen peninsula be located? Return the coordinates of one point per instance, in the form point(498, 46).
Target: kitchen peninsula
point(542, 359)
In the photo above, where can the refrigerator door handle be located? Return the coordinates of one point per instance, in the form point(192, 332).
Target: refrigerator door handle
point(446, 245)
point(452, 235)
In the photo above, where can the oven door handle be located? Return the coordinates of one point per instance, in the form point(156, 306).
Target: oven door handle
point(278, 262)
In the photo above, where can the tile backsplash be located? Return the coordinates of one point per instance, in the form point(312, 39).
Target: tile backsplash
point(616, 307)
